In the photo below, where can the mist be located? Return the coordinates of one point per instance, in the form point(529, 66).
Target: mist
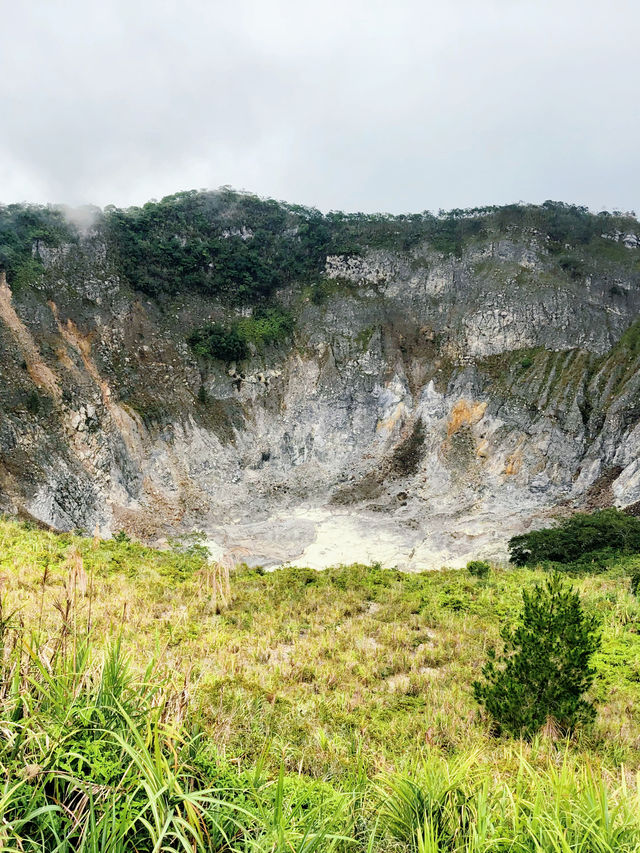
point(344, 105)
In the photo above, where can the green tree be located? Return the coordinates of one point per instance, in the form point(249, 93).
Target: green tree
point(583, 539)
point(219, 342)
point(545, 667)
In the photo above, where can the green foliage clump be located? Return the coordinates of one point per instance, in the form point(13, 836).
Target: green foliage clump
point(231, 342)
point(545, 668)
point(526, 362)
point(635, 581)
point(223, 243)
point(23, 229)
point(121, 536)
point(268, 326)
point(478, 568)
point(585, 540)
point(218, 341)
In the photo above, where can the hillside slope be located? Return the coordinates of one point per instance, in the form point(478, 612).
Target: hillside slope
point(407, 389)
point(152, 700)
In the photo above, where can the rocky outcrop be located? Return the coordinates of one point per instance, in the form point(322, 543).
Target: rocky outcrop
point(426, 409)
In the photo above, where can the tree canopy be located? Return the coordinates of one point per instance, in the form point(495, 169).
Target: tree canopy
point(243, 248)
point(582, 539)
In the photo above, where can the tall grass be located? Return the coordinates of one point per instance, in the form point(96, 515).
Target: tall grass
point(97, 758)
point(93, 761)
point(108, 746)
point(453, 806)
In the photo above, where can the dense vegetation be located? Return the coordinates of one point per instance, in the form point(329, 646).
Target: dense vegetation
point(584, 541)
point(23, 230)
point(562, 226)
point(292, 710)
point(229, 244)
point(243, 248)
point(230, 342)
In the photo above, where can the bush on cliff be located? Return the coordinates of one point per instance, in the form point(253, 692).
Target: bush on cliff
point(231, 342)
point(218, 341)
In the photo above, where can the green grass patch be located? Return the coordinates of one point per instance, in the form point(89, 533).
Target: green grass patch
point(289, 710)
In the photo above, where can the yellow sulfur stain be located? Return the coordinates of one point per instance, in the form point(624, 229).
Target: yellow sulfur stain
point(513, 463)
point(483, 449)
point(397, 416)
point(465, 412)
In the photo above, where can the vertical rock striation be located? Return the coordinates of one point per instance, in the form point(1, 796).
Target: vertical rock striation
point(426, 407)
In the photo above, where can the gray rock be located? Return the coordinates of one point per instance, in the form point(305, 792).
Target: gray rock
point(427, 411)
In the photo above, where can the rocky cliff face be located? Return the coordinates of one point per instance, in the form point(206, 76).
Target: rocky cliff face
point(427, 407)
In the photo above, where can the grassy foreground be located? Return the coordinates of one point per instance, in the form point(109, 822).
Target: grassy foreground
point(149, 702)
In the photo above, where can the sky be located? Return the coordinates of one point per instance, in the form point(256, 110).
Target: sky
point(399, 106)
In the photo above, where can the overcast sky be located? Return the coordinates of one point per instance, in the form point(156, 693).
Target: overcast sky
point(401, 105)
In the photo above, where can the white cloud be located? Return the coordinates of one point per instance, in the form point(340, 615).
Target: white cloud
point(356, 105)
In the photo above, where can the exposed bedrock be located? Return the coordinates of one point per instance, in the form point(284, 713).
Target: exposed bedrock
point(426, 409)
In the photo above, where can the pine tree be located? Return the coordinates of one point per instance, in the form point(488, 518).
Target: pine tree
point(545, 667)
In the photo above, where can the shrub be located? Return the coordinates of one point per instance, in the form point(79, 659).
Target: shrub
point(544, 670)
point(268, 326)
point(478, 568)
point(121, 536)
point(218, 341)
point(231, 342)
point(583, 538)
point(571, 264)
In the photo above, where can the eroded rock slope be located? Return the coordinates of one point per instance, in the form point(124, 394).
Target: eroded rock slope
point(426, 406)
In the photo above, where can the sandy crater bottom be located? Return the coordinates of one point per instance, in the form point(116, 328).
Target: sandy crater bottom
point(319, 537)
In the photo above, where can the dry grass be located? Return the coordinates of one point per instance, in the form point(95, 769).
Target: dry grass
point(353, 667)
